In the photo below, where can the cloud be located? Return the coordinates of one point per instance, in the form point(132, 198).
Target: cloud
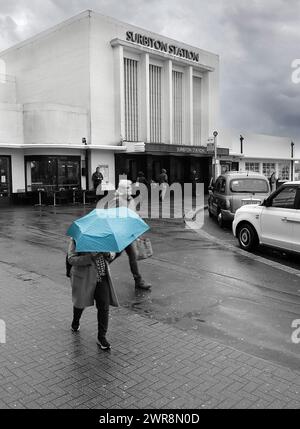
point(256, 41)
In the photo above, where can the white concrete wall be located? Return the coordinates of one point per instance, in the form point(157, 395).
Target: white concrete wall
point(102, 82)
point(8, 89)
point(54, 124)
point(53, 67)
point(74, 64)
point(11, 124)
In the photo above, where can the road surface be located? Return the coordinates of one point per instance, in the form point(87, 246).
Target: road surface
point(201, 281)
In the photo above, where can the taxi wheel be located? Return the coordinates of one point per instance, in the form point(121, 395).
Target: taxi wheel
point(247, 237)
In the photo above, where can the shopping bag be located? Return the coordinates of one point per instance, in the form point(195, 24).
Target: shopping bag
point(143, 248)
point(99, 190)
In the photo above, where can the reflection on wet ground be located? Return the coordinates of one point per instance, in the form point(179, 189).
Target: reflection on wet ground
point(197, 284)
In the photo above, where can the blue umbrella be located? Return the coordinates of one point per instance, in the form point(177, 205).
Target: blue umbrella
point(109, 230)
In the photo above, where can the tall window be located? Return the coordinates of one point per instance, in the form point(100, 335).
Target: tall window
point(131, 100)
point(177, 107)
point(252, 166)
point(155, 103)
point(297, 170)
point(268, 168)
point(284, 171)
point(197, 110)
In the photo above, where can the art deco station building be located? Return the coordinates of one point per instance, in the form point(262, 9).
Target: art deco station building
point(97, 91)
point(94, 91)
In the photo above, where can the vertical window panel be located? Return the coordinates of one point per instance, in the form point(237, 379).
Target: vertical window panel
point(131, 99)
point(155, 103)
point(177, 107)
point(197, 110)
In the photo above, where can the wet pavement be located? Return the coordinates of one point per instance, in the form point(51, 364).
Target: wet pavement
point(199, 285)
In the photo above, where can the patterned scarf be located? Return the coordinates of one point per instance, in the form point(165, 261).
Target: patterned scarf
point(101, 268)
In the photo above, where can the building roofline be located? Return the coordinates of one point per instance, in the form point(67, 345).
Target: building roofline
point(61, 146)
point(180, 42)
point(48, 31)
point(87, 14)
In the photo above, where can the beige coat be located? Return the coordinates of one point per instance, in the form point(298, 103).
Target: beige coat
point(122, 201)
point(84, 279)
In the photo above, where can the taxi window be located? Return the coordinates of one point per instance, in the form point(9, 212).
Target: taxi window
point(297, 202)
point(286, 198)
point(246, 185)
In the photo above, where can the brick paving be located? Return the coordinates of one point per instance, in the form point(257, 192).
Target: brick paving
point(152, 365)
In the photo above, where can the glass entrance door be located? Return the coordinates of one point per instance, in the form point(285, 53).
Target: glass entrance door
point(5, 178)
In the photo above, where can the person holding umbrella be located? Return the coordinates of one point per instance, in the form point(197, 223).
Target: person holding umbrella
point(96, 238)
point(91, 281)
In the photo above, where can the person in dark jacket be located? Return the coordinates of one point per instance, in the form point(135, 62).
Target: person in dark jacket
point(97, 178)
point(273, 180)
point(142, 179)
point(194, 181)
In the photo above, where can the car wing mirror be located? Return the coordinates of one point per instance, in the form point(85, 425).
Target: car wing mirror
point(267, 202)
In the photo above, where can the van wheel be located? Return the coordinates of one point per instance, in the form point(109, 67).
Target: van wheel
point(247, 237)
point(221, 221)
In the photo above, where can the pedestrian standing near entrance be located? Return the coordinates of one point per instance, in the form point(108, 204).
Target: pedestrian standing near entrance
point(163, 181)
point(142, 179)
point(123, 198)
point(97, 178)
point(194, 180)
point(273, 181)
point(91, 282)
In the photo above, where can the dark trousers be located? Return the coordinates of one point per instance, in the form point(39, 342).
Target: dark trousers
point(102, 299)
point(133, 262)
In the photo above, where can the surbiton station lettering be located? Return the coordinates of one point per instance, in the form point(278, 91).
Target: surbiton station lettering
point(161, 46)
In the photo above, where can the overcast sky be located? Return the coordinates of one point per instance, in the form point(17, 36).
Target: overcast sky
point(256, 40)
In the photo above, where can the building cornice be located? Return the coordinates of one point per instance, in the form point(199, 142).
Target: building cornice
point(63, 146)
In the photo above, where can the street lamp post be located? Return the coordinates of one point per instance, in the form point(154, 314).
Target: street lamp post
point(242, 144)
point(292, 160)
point(87, 185)
point(216, 155)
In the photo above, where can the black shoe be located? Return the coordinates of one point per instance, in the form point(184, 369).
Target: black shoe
point(141, 284)
point(75, 327)
point(103, 344)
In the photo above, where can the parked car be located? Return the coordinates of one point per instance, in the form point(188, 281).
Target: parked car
point(233, 190)
point(275, 222)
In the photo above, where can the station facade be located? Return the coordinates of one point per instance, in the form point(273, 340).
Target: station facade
point(93, 91)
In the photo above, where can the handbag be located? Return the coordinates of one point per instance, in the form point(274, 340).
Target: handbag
point(143, 248)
